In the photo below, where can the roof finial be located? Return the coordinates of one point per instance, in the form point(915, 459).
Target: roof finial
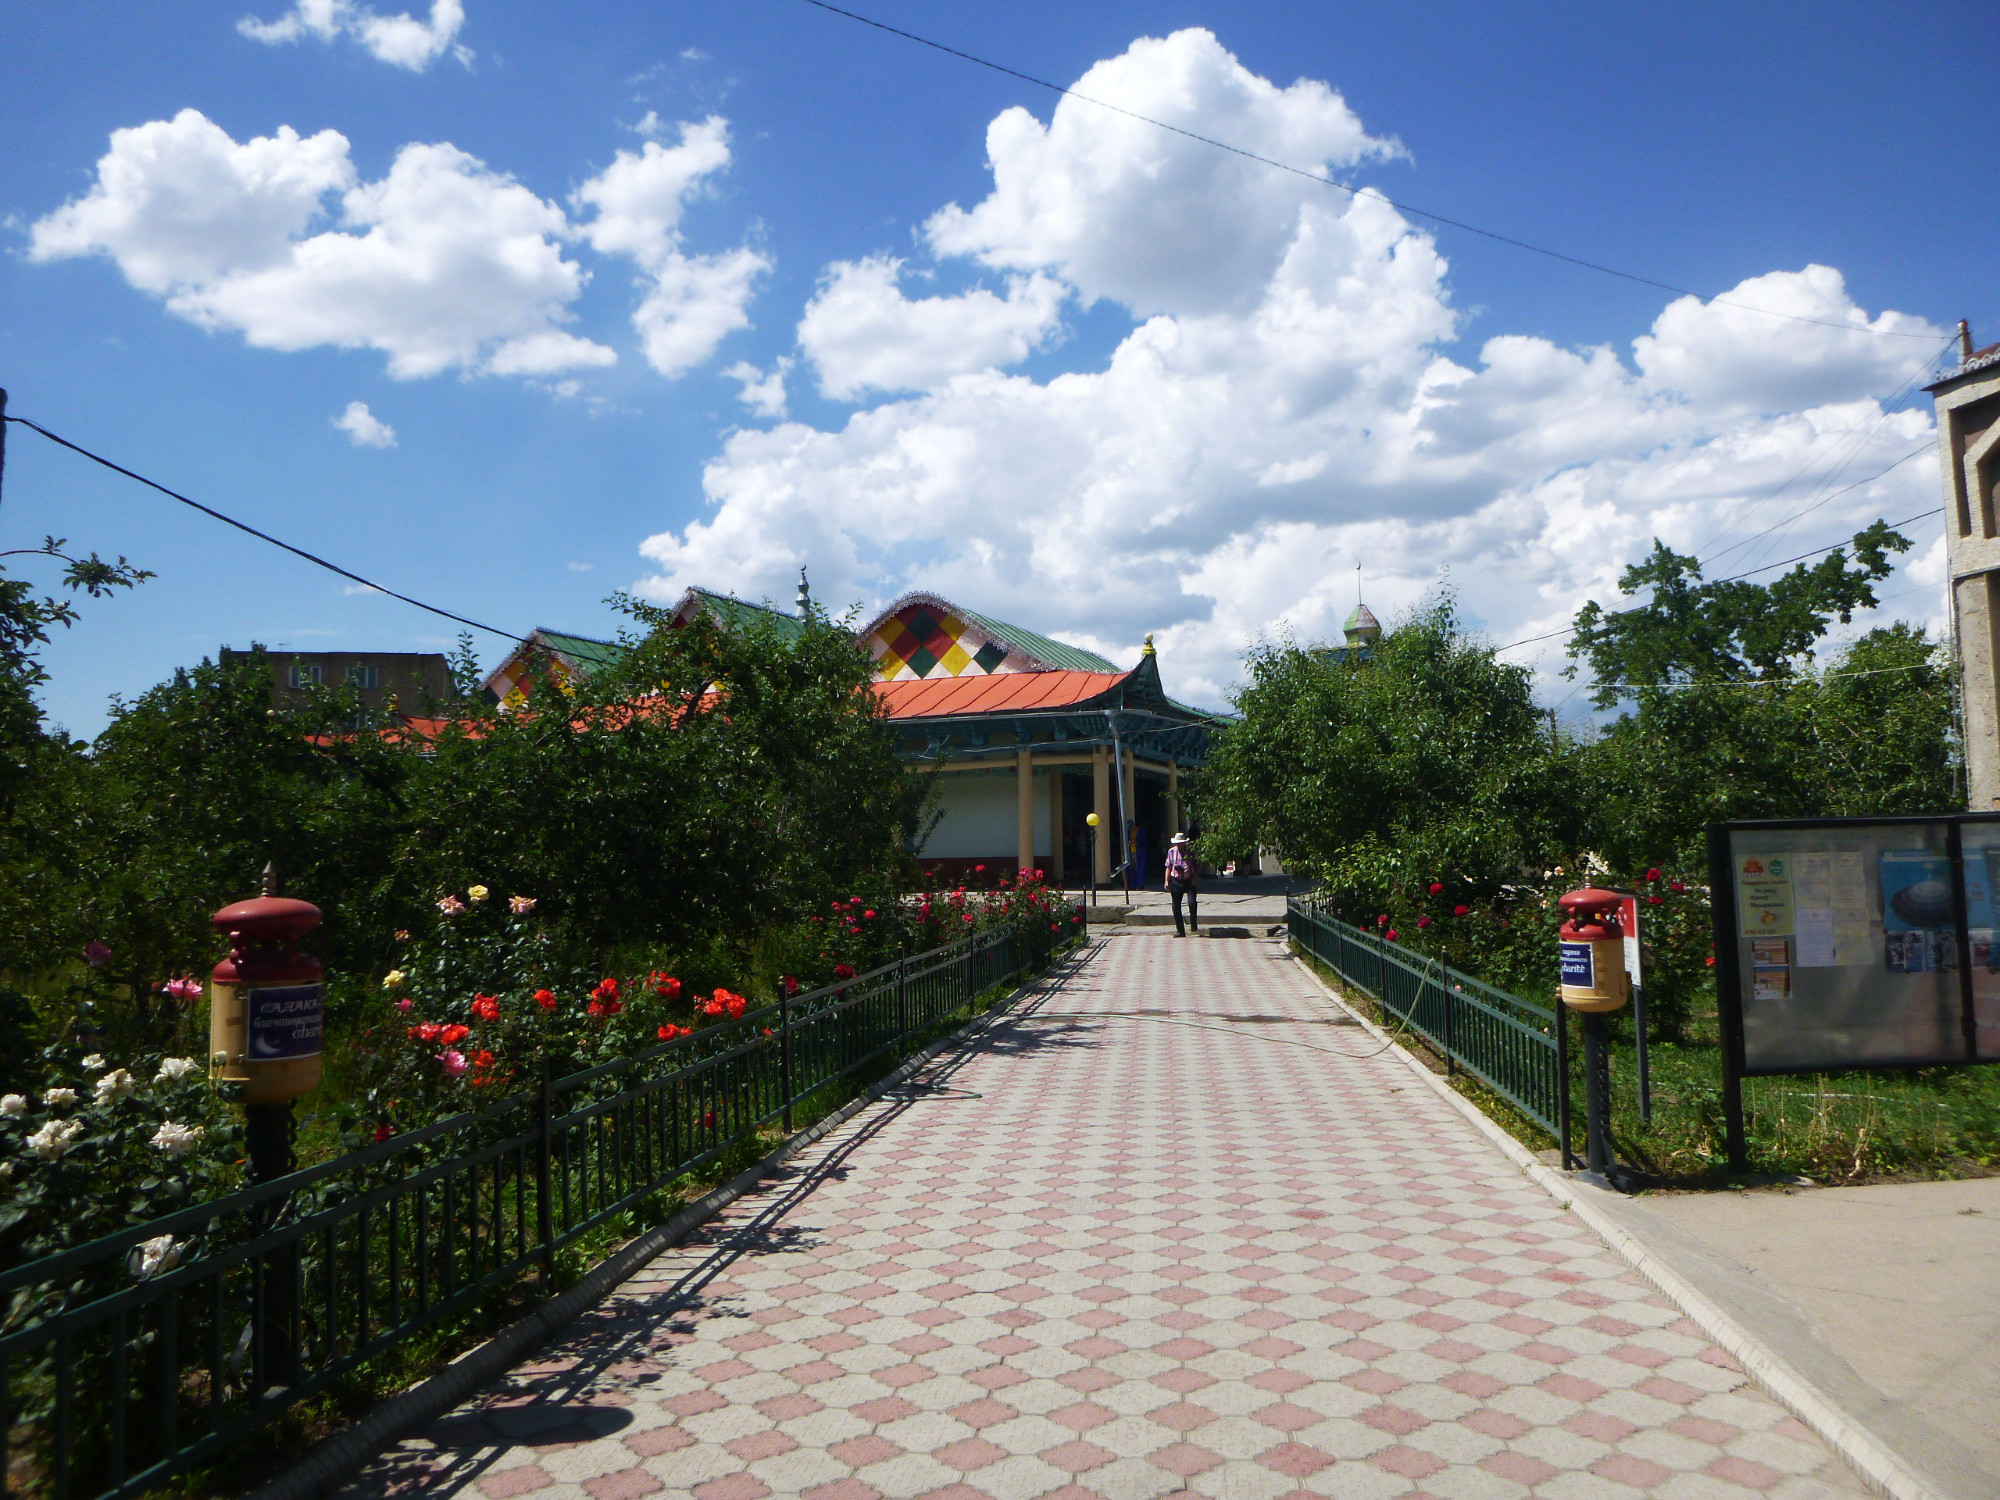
point(805, 594)
point(1147, 650)
point(1964, 342)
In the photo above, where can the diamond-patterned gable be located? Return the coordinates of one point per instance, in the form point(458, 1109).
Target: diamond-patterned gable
point(918, 641)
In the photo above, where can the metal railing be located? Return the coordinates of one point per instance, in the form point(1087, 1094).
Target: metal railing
point(1517, 1049)
point(150, 1351)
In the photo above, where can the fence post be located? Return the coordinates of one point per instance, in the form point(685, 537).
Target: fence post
point(902, 995)
point(544, 1214)
point(1562, 1082)
point(785, 1047)
point(1450, 1027)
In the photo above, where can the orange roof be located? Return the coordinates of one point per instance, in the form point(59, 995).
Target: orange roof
point(1003, 692)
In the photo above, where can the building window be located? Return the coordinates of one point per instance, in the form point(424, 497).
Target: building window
point(362, 676)
point(303, 676)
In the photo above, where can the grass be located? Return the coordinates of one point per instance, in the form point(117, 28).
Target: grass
point(1908, 1124)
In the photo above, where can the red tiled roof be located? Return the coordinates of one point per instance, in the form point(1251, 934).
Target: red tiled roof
point(1003, 692)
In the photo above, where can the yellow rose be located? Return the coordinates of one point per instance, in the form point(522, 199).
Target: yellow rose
point(477, 893)
point(391, 979)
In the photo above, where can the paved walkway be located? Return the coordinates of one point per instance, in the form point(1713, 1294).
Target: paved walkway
point(1884, 1297)
point(1137, 1243)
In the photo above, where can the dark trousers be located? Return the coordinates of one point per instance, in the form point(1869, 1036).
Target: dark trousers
point(1178, 889)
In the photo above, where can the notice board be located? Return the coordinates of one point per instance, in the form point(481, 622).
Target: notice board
point(1857, 942)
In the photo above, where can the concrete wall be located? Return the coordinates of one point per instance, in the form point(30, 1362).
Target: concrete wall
point(980, 817)
point(1968, 415)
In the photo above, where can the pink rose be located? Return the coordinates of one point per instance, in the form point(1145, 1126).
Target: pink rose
point(454, 1062)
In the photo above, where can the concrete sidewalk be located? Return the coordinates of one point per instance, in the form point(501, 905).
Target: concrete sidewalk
point(1886, 1297)
point(1181, 1226)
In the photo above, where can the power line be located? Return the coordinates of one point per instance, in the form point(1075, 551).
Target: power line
point(1833, 441)
point(253, 531)
point(1733, 578)
point(1329, 181)
point(1816, 504)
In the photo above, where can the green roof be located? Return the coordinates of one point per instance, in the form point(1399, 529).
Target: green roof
point(741, 614)
point(1055, 653)
point(583, 652)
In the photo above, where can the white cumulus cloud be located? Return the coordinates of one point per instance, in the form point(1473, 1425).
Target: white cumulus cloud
point(689, 303)
point(442, 264)
point(363, 428)
point(864, 334)
point(763, 391)
point(1290, 402)
point(400, 40)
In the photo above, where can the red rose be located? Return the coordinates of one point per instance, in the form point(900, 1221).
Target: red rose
point(666, 986)
point(486, 1007)
point(545, 999)
point(791, 985)
point(1459, 911)
point(1656, 900)
point(1423, 922)
point(1711, 960)
point(843, 971)
point(1383, 920)
point(1437, 887)
point(708, 1119)
point(1391, 934)
point(1653, 874)
point(383, 1132)
point(1676, 887)
point(453, 1034)
point(606, 989)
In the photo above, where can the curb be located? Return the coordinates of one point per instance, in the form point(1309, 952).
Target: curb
point(337, 1457)
point(1874, 1463)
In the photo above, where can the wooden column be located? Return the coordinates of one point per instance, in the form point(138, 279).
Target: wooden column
point(1024, 804)
point(1100, 803)
point(1173, 798)
point(1128, 807)
point(1056, 830)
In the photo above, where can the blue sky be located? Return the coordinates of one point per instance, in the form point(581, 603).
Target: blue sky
point(1128, 385)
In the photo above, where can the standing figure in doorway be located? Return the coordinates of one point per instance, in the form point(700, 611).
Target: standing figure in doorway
point(1181, 872)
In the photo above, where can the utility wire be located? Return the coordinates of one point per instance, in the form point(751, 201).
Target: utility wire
point(1815, 505)
point(261, 536)
point(1733, 578)
point(1833, 440)
point(1325, 180)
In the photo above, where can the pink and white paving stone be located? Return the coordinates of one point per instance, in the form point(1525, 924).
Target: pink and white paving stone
point(1110, 1253)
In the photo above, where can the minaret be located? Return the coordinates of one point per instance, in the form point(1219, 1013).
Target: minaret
point(805, 594)
point(1362, 628)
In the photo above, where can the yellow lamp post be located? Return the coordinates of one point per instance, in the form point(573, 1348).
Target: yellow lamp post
point(1091, 819)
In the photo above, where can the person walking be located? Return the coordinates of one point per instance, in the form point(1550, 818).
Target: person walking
point(1181, 871)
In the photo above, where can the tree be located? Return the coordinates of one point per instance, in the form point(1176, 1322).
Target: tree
point(1420, 761)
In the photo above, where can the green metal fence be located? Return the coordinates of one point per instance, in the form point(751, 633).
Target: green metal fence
point(149, 1352)
point(1515, 1048)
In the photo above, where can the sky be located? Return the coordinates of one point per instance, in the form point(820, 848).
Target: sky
point(508, 307)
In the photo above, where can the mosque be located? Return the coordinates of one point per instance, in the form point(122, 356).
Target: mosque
point(1029, 735)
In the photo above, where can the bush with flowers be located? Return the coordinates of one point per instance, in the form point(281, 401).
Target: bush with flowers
point(485, 999)
point(102, 1141)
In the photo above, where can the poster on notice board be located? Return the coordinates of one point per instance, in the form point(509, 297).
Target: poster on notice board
point(1919, 912)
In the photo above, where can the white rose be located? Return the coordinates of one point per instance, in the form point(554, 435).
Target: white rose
point(13, 1106)
point(155, 1256)
point(115, 1085)
point(54, 1138)
point(93, 1063)
point(6, 1170)
point(176, 1140)
point(176, 1067)
point(59, 1098)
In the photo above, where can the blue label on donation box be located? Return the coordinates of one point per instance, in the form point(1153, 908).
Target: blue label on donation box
point(284, 1022)
point(1577, 969)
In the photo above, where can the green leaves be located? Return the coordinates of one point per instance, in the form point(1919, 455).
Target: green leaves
point(1731, 630)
